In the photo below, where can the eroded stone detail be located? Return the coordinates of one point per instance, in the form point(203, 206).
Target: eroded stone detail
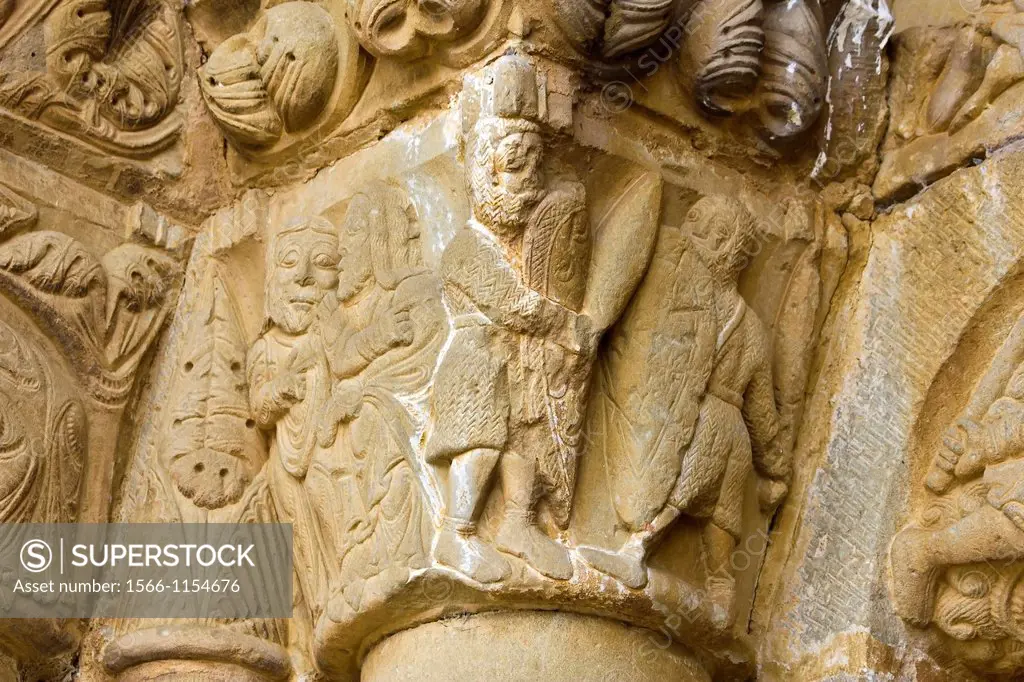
point(695, 459)
point(956, 567)
point(112, 77)
point(406, 28)
point(277, 77)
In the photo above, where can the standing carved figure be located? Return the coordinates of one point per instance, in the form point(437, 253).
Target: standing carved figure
point(511, 386)
point(986, 442)
point(722, 420)
point(382, 336)
point(289, 381)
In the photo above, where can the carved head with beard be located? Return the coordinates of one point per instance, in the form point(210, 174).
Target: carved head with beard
point(505, 175)
point(301, 269)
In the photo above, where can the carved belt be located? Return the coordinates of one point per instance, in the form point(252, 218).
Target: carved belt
point(727, 395)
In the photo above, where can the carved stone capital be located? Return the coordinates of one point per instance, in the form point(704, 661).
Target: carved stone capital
point(80, 313)
point(487, 376)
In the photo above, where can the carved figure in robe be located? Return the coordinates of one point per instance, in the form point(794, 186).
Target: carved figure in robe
point(289, 382)
point(986, 442)
point(382, 338)
point(510, 389)
point(706, 356)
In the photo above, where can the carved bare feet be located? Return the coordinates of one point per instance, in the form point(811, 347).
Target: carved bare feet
point(468, 555)
point(626, 565)
point(520, 537)
point(913, 575)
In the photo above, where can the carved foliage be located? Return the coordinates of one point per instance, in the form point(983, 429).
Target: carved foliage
point(42, 440)
point(105, 314)
point(213, 450)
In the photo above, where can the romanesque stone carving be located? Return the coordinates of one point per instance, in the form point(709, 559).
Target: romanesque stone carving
point(726, 42)
point(613, 28)
point(382, 338)
point(858, 70)
point(214, 450)
point(517, 331)
point(522, 367)
point(105, 313)
point(794, 72)
point(695, 458)
point(207, 464)
point(41, 475)
point(957, 565)
point(733, 57)
point(16, 213)
point(406, 28)
point(974, 73)
point(277, 77)
point(112, 76)
point(289, 380)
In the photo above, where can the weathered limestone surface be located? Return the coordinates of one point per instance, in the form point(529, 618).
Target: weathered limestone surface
point(934, 266)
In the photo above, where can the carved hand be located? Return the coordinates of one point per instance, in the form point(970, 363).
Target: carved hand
point(346, 402)
point(289, 389)
point(585, 335)
point(969, 448)
point(396, 327)
point(981, 451)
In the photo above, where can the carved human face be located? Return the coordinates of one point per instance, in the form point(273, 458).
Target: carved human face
point(508, 182)
point(355, 271)
point(304, 270)
point(720, 228)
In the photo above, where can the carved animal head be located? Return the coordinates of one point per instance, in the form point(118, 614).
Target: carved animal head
point(505, 175)
point(137, 276)
point(724, 232)
point(404, 28)
point(301, 269)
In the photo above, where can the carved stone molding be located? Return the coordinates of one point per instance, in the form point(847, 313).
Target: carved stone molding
point(763, 64)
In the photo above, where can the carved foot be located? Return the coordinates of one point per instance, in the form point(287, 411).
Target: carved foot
point(913, 575)
point(722, 601)
point(471, 557)
point(626, 566)
point(519, 537)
